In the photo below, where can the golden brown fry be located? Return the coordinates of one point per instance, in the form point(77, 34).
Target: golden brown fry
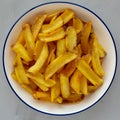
point(65, 87)
point(61, 47)
point(67, 15)
point(96, 64)
point(58, 63)
point(85, 37)
point(48, 28)
point(55, 90)
point(53, 36)
point(87, 71)
point(84, 86)
point(20, 50)
point(71, 38)
point(75, 81)
point(28, 36)
point(41, 60)
point(20, 72)
point(39, 78)
point(77, 24)
point(37, 25)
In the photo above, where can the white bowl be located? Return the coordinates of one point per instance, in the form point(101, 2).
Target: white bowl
point(109, 64)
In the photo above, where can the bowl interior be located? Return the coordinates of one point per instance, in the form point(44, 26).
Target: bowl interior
point(109, 63)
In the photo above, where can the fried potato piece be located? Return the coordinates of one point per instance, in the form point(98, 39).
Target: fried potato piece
point(87, 71)
point(61, 47)
point(65, 87)
point(20, 50)
point(53, 36)
point(69, 69)
point(58, 63)
point(77, 24)
point(71, 38)
point(55, 90)
point(20, 72)
point(28, 36)
point(48, 28)
point(39, 78)
point(85, 37)
point(84, 86)
point(67, 15)
point(96, 63)
point(40, 61)
point(42, 95)
point(37, 26)
point(75, 81)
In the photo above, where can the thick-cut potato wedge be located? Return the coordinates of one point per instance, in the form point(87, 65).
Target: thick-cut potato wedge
point(65, 87)
point(40, 79)
point(87, 71)
point(40, 61)
point(42, 95)
point(55, 91)
point(69, 69)
point(77, 24)
point(85, 37)
point(28, 36)
point(48, 28)
point(20, 50)
point(75, 81)
point(67, 15)
point(101, 51)
point(74, 98)
point(53, 36)
point(21, 38)
point(37, 26)
point(58, 63)
point(71, 38)
point(20, 71)
point(84, 86)
point(38, 48)
point(96, 63)
point(61, 47)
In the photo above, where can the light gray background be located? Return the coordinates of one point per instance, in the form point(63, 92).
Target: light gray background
point(11, 108)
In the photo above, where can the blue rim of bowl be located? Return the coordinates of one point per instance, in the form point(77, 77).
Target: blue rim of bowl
point(58, 2)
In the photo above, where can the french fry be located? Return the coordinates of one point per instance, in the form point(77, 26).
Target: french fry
point(65, 87)
point(42, 95)
point(19, 49)
point(39, 78)
point(38, 48)
point(53, 36)
point(20, 72)
point(85, 37)
point(69, 69)
point(41, 60)
point(28, 36)
point(61, 47)
point(77, 24)
point(55, 90)
point(21, 38)
point(84, 86)
point(58, 63)
point(87, 71)
point(71, 38)
point(37, 26)
point(48, 28)
point(75, 81)
point(96, 62)
point(67, 15)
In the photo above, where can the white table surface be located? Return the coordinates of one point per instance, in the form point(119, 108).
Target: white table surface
point(108, 108)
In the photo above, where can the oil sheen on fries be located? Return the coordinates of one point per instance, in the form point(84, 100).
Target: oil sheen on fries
point(58, 58)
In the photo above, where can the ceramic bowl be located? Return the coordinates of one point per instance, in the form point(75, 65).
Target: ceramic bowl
point(109, 65)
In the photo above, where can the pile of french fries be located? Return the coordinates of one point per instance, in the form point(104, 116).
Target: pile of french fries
point(58, 58)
